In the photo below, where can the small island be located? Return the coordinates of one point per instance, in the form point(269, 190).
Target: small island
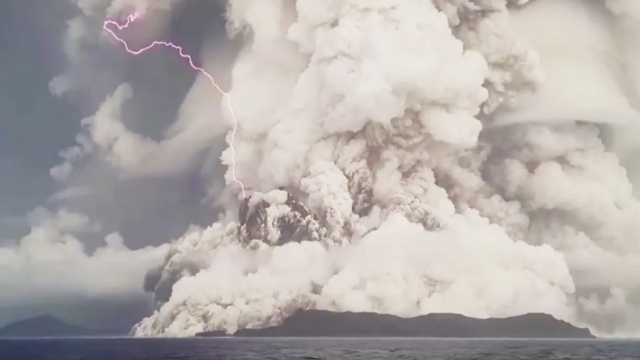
point(317, 323)
point(47, 326)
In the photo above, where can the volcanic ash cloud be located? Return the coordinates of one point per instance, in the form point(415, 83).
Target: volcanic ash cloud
point(394, 164)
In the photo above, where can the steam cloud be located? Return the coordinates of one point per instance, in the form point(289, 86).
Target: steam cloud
point(409, 157)
point(370, 110)
point(51, 265)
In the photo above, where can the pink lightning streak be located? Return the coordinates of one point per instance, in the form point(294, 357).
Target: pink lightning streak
point(130, 20)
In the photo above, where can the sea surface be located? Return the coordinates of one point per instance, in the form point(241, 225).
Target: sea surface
point(311, 349)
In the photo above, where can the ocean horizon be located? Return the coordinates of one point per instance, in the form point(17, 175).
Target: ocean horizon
point(130, 348)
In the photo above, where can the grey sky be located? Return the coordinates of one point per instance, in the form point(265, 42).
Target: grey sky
point(35, 126)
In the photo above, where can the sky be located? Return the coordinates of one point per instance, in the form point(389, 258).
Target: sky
point(37, 125)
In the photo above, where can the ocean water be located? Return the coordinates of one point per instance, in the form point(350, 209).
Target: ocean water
point(311, 349)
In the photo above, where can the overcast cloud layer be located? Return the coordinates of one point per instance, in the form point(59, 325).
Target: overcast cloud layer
point(461, 158)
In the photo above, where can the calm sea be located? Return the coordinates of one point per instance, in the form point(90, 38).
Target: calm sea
point(309, 349)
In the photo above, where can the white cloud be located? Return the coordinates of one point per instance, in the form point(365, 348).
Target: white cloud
point(50, 264)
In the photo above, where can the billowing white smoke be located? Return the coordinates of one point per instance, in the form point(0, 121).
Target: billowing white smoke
point(627, 33)
point(438, 148)
point(50, 264)
point(584, 68)
point(471, 268)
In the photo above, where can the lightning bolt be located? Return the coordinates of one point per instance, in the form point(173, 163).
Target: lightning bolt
point(109, 24)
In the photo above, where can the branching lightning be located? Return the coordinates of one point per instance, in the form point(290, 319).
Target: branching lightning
point(130, 20)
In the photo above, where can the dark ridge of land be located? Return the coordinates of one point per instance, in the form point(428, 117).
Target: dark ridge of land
point(49, 326)
point(317, 323)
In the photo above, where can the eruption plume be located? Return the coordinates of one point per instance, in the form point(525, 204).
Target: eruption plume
point(130, 20)
point(411, 157)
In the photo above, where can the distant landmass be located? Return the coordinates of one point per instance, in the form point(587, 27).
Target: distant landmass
point(49, 326)
point(316, 323)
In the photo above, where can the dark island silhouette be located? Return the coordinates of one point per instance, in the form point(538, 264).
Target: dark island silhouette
point(316, 323)
point(49, 326)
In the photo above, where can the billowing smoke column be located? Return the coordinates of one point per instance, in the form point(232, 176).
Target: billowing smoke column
point(400, 159)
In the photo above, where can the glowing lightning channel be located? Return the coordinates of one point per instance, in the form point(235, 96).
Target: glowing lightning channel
point(130, 20)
